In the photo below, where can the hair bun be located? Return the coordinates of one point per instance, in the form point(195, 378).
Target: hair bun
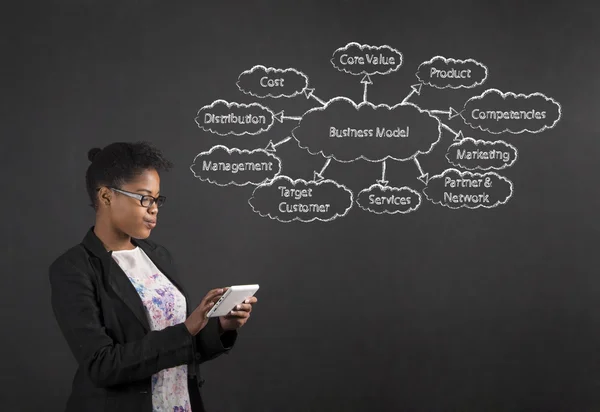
point(93, 152)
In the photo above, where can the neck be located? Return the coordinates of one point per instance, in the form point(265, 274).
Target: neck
point(111, 237)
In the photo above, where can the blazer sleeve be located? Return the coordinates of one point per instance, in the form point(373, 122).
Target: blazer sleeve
point(210, 343)
point(107, 363)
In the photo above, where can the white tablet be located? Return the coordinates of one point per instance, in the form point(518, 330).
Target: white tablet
point(232, 296)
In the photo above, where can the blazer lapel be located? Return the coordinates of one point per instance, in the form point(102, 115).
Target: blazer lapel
point(120, 283)
point(123, 287)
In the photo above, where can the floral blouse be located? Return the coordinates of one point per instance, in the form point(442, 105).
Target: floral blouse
point(165, 306)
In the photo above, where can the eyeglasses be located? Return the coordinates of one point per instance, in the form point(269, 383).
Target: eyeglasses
point(145, 200)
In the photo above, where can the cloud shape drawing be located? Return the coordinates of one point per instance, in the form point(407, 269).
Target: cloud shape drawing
point(474, 154)
point(347, 132)
point(261, 82)
point(498, 112)
point(224, 166)
point(357, 59)
point(225, 118)
point(441, 72)
point(456, 189)
point(386, 199)
point(288, 200)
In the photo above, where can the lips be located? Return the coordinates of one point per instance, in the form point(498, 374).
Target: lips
point(150, 223)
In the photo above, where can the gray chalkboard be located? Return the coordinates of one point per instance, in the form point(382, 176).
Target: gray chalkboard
point(413, 185)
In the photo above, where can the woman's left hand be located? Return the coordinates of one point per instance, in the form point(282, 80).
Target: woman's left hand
point(238, 316)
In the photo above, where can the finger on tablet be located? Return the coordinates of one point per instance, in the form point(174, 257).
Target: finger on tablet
point(212, 294)
point(239, 314)
point(246, 307)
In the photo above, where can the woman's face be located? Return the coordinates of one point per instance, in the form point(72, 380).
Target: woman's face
point(127, 214)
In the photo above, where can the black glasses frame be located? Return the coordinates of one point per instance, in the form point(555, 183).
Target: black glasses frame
point(145, 200)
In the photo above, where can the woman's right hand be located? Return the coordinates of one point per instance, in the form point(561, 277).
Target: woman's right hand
point(198, 319)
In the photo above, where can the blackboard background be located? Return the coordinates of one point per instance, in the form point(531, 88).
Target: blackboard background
point(438, 310)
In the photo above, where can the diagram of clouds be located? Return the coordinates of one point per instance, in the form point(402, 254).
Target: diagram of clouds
point(224, 118)
point(386, 199)
point(442, 72)
point(481, 154)
point(497, 112)
point(223, 166)
point(288, 200)
point(456, 189)
point(348, 132)
point(357, 59)
point(261, 81)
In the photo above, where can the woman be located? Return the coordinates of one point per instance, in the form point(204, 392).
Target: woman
point(120, 304)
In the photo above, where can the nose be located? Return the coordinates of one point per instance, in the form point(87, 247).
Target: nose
point(153, 209)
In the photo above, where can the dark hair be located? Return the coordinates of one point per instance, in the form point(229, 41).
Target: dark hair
point(120, 162)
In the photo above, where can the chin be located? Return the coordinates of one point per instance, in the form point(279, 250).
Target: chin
point(141, 234)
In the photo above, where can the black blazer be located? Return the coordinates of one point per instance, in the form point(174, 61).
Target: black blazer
point(103, 321)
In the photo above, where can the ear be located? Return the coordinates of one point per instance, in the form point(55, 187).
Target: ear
point(105, 196)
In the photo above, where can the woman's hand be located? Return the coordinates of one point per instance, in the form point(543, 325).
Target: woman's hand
point(238, 316)
point(198, 319)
